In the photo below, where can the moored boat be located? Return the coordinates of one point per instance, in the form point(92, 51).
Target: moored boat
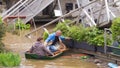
point(29, 55)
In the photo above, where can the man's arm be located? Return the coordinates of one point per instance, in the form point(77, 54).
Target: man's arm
point(50, 37)
point(63, 38)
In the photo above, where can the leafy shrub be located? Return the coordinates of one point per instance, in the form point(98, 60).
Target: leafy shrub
point(20, 25)
point(2, 31)
point(9, 59)
point(1, 47)
point(115, 28)
point(1, 20)
point(77, 33)
point(2, 34)
point(91, 35)
point(62, 26)
point(94, 36)
point(45, 35)
point(98, 40)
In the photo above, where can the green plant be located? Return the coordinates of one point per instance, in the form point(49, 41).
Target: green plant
point(62, 26)
point(2, 34)
point(77, 33)
point(94, 36)
point(9, 59)
point(1, 47)
point(2, 31)
point(45, 35)
point(20, 25)
point(98, 40)
point(119, 46)
point(1, 20)
point(115, 28)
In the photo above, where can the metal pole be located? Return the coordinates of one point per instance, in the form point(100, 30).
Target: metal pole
point(78, 3)
point(78, 18)
point(60, 7)
point(93, 22)
point(107, 11)
point(100, 12)
point(105, 44)
point(112, 13)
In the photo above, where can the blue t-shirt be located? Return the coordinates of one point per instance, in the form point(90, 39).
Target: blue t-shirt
point(51, 37)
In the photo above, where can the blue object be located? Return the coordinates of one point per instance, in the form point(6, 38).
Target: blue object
point(115, 44)
point(52, 48)
point(112, 65)
point(51, 37)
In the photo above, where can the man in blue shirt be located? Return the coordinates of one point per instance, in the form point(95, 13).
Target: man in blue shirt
point(54, 39)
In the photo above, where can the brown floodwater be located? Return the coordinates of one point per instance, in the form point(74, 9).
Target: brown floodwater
point(19, 44)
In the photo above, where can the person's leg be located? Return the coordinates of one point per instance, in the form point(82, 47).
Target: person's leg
point(53, 48)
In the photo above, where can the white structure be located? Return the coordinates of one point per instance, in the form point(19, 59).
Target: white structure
point(92, 12)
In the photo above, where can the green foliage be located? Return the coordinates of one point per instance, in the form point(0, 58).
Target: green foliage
point(77, 33)
point(119, 46)
point(10, 28)
point(2, 31)
point(115, 28)
point(45, 35)
point(9, 59)
point(66, 21)
point(1, 47)
point(94, 36)
point(2, 34)
point(62, 26)
point(1, 20)
point(91, 35)
point(98, 40)
point(20, 25)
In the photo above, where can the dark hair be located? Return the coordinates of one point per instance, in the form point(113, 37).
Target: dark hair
point(40, 38)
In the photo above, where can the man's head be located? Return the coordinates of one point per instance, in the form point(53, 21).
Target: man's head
point(58, 33)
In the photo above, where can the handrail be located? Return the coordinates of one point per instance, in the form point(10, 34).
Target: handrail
point(25, 6)
point(26, 20)
point(29, 7)
point(15, 9)
point(12, 8)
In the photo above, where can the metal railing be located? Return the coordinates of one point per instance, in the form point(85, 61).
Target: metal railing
point(27, 8)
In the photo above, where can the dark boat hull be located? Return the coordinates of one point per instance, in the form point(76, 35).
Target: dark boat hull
point(35, 56)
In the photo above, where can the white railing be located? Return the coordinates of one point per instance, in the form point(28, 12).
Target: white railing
point(28, 8)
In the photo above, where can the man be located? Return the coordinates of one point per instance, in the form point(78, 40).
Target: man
point(54, 39)
point(40, 49)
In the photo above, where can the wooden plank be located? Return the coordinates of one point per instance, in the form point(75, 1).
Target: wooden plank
point(13, 17)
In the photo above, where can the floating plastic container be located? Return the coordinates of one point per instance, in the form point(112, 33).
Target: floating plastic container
point(112, 65)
